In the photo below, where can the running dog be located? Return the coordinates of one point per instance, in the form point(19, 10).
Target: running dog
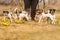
point(46, 15)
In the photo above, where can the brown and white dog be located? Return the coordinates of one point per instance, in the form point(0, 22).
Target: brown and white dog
point(52, 12)
point(7, 14)
point(23, 14)
point(49, 15)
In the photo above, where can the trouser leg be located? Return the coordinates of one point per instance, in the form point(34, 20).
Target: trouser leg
point(33, 8)
point(32, 4)
point(26, 4)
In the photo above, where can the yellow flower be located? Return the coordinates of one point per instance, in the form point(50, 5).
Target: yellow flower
point(19, 21)
point(5, 23)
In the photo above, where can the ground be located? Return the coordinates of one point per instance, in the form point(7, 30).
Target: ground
point(30, 31)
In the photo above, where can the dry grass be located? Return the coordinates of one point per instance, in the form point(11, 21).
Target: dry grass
point(30, 31)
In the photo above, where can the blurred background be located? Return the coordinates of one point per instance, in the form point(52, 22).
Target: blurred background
point(48, 3)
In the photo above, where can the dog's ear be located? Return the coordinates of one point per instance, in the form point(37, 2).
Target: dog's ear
point(54, 9)
point(20, 11)
point(6, 12)
point(39, 11)
point(3, 11)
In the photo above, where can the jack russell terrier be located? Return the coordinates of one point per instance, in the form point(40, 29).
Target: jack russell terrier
point(50, 15)
point(7, 14)
point(23, 14)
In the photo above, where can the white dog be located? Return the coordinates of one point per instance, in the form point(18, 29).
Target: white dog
point(7, 14)
point(48, 15)
point(15, 14)
point(23, 15)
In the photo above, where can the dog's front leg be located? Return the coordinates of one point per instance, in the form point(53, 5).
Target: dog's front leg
point(53, 22)
point(10, 19)
point(53, 19)
point(40, 19)
point(4, 17)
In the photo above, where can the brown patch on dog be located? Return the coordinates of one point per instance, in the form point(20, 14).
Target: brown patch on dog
point(39, 11)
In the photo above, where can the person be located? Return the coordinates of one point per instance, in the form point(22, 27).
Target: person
point(31, 4)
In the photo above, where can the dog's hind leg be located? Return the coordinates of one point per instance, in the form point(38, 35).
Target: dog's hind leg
point(48, 20)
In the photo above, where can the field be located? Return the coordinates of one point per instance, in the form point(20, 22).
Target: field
point(30, 30)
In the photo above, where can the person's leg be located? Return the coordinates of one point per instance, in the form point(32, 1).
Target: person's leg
point(26, 4)
point(33, 8)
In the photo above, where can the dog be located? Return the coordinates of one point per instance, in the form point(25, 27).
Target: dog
point(16, 13)
point(23, 15)
point(52, 12)
point(46, 15)
point(7, 14)
point(38, 12)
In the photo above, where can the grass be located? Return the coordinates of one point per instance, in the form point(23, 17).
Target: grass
point(58, 10)
point(30, 31)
